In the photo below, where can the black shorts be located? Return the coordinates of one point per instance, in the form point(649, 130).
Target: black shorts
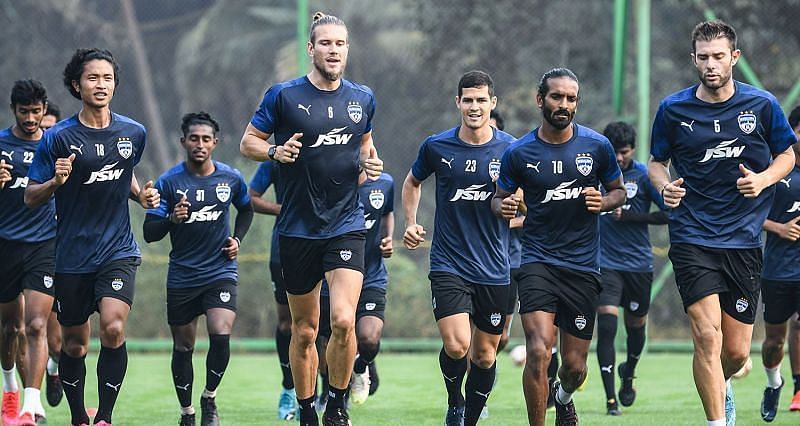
point(734, 274)
point(26, 266)
point(305, 261)
point(631, 290)
point(511, 304)
point(186, 304)
point(77, 294)
point(568, 293)
point(486, 304)
point(371, 303)
point(278, 283)
point(781, 300)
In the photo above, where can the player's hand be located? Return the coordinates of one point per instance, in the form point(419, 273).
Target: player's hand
point(386, 247)
point(290, 150)
point(372, 165)
point(231, 248)
point(63, 169)
point(673, 193)
point(510, 206)
point(751, 183)
point(181, 211)
point(790, 230)
point(414, 235)
point(617, 213)
point(594, 199)
point(5, 173)
point(149, 197)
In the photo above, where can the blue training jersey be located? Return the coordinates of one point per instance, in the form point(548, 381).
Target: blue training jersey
point(468, 239)
point(625, 246)
point(558, 229)
point(782, 257)
point(196, 258)
point(17, 222)
point(706, 143)
point(94, 226)
point(321, 196)
point(266, 175)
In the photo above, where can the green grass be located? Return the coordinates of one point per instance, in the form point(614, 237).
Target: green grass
point(412, 393)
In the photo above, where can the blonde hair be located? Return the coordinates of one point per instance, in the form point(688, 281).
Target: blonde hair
point(320, 18)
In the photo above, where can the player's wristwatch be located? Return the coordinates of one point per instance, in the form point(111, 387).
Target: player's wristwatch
point(271, 152)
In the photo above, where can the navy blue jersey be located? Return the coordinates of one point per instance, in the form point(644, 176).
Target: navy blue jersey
point(625, 246)
point(515, 247)
point(706, 143)
point(782, 257)
point(468, 239)
point(92, 206)
point(558, 229)
point(321, 197)
point(377, 197)
point(196, 257)
point(266, 175)
point(17, 222)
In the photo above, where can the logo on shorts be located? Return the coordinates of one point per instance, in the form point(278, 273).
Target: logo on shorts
point(369, 306)
point(433, 302)
point(47, 281)
point(346, 254)
point(580, 322)
point(117, 284)
point(495, 319)
point(741, 305)
point(634, 306)
point(225, 296)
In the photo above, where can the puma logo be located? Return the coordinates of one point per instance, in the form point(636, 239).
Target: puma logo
point(485, 395)
point(76, 148)
point(73, 384)
point(607, 368)
point(533, 166)
point(786, 182)
point(115, 387)
point(215, 373)
point(447, 162)
point(449, 379)
point(307, 109)
point(184, 387)
point(689, 125)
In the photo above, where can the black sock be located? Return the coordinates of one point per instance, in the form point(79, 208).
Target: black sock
point(479, 384)
point(111, 367)
point(183, 376)
point(606, 356)
point(219, 353)
point(552, 369)
point(366, 354)
point(453, 371)
point(308, 415)
point(282, 345)
point(796, 379)
point(336, 398)
point(636, 338)
point(72, 372)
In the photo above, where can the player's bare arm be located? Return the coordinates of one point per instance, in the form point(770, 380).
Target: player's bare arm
point(751, 184)
point(505, 204)
point(254, 146)
point(670, 190)
point(37, 193)
point(369, 160)
point(614, 197)
point(387, 230)
point(263, 206)
point(412, 192)
point(148, 196)
point(5, 173)
point(788, 231)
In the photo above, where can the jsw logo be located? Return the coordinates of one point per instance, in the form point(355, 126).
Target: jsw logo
point(369, 222)
point(105, 174)
point(723, 150)
point(20, 182)
point(472, 193)
point(795, 207)
point(562, 192)
point(206, 214)
point(333, 137)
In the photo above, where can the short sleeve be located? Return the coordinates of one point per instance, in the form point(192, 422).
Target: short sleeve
point(243, 197)
point(140, 153)
point(421, 168)
point(267, 113)
point(660, 146)
point(167, 199)
point(507, 181)
point(43, 167)
point(781, 135)
point(388, 206)
point(262, 179)
point(609, 167)
point(370, 113)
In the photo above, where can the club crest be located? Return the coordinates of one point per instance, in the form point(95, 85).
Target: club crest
point(223, 192)
point(346, 255)
point(580, 322)
point(494, 169)
point(369, 306)
point(747, 121)
point(376, 199)
point(125, 147)
point(117, 284)
point(634, 306)
point(354, 111)
point(47, 281)
point(495, 319)
point(584, 163)
point(741, 305)
point(631, 188)
point(225, 296)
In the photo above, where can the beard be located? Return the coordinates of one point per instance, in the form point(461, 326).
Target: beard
point(721, 81)
point(558, 124)
point(330, 76)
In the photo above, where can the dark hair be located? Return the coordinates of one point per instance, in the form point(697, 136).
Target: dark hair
point(794, 117)
point(27, 92)
point(621, 134)
point(54, 110)
point(712, 30)
point(498, 119)
point(475, 79)
point(544, 83)
point(320, 18)
point(74, 69)
point(194, 118)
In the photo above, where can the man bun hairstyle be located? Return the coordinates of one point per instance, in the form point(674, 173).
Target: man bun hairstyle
point(319, 19)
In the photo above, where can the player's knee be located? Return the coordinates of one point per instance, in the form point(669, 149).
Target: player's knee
point(36, 326)
point(456, 349)
point(737, 357)
point(182, 346)
point(574, 370)
point(503, 342)
point(369, 343)
point(707, 338)
point(484, 359)
point(74, 348)
point(304, 334)
point(342, 324)
point(285, 325)
point(112, 334)
point(774, 342)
